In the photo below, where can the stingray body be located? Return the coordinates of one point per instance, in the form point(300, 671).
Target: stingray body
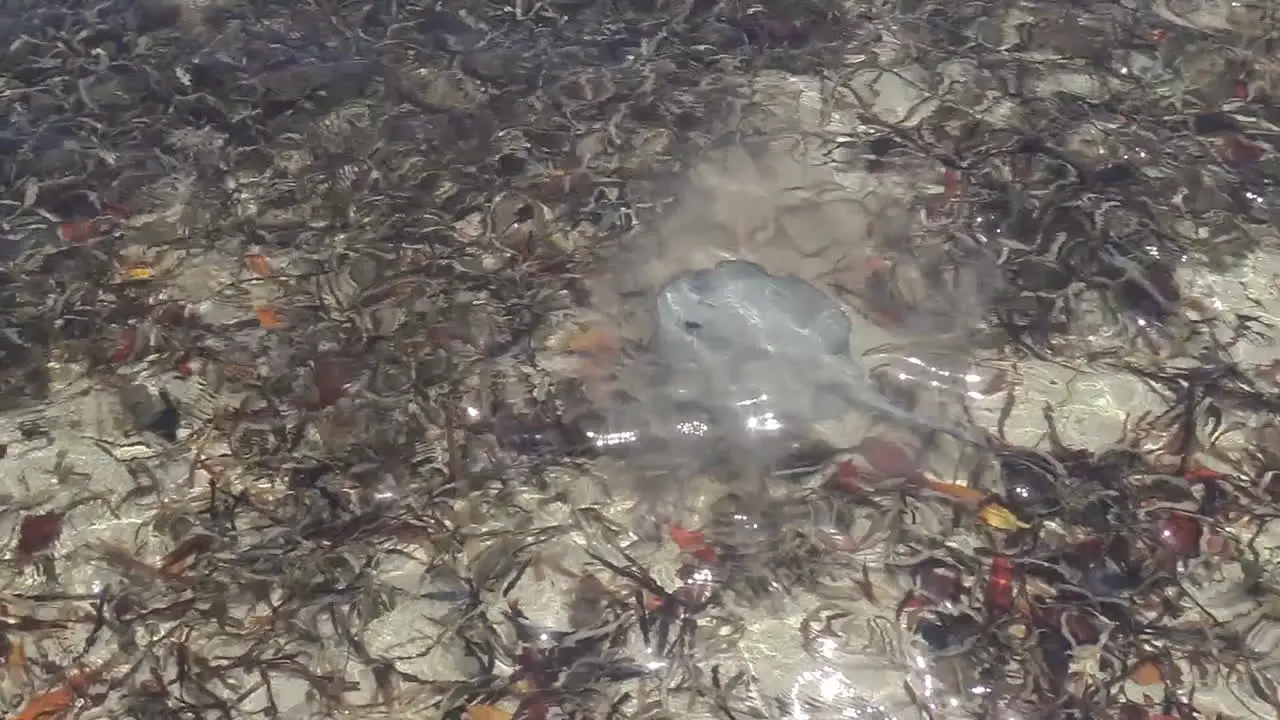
point(756, 340)
point(738, 310)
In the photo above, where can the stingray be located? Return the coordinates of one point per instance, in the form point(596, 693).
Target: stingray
point(756, 339)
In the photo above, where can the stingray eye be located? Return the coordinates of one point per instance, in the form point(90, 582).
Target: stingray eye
point(692, 326)
point(700, 283)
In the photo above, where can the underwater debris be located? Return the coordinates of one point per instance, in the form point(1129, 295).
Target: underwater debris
point(375, 359)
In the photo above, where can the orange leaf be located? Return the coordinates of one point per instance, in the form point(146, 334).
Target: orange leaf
point(487, 712)
point(1147, 672)
point(17, 660)
point(177, 560)
point(52, 705)
point(268, 318)
point(55, 704)
point(592, 340)
point(259, 264)
point(962, 493)
point(598, 350)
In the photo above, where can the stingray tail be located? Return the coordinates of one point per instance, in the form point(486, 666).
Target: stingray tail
point(884, 408)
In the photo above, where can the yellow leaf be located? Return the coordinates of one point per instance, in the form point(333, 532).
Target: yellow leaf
point(1000, 518)
point(139, 272)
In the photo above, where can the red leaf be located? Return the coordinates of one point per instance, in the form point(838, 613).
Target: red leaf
point(188, 365)
point(1243, 151)
point(116, 211)
point(1180, 532)
point(174, 314)
point(330, 378)
point(77, 231)
point(939, 584)
point(706, 554)
point(1080, 627)
point(126, 345)
point(846, 476)
point(38, 533)
point(999, 590)
point(954, 182)
point(910, 603)
point(888, 458)
point(687, 540)
point(1093, 548)
point(1202, 473)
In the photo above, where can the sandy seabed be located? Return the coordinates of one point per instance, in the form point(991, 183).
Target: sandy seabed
point(755, 203)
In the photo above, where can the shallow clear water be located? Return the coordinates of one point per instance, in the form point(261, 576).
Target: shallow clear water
point(306, 310)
